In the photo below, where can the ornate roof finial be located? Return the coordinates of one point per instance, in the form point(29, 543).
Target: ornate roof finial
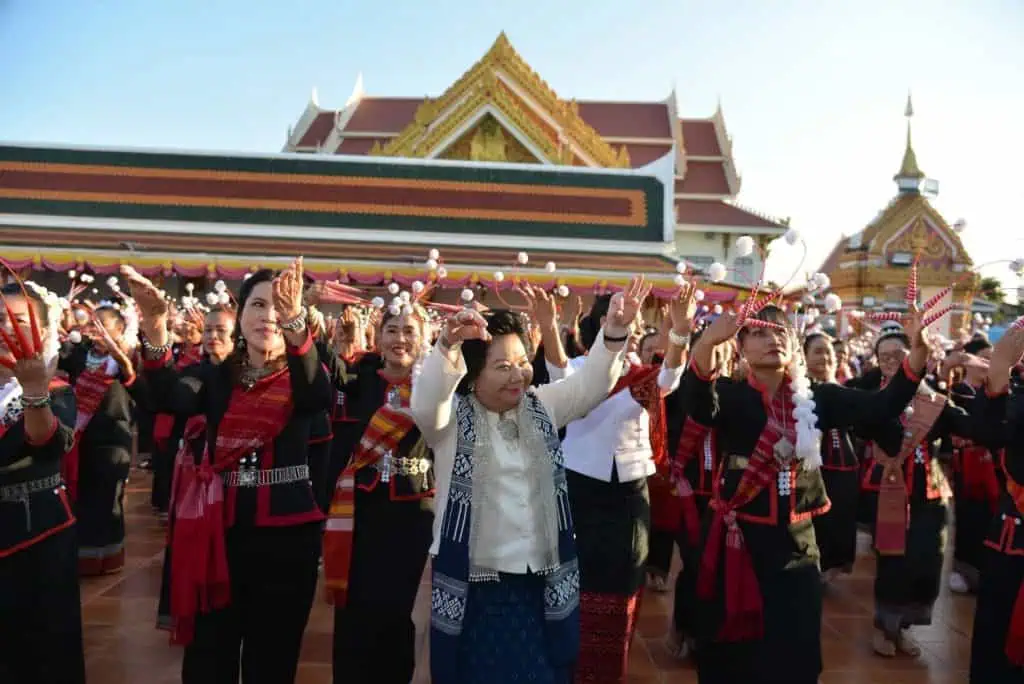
point(314, 99)
point(357, 91)
point(908, 178)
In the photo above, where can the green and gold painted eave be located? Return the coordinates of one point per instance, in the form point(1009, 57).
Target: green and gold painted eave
point(299, 190)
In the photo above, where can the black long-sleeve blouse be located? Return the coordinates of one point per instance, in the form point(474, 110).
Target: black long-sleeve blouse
point(777, 523)
point(206, 389)
point(28, 517)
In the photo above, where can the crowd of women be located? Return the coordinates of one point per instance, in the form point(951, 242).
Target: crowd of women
point(548, 462)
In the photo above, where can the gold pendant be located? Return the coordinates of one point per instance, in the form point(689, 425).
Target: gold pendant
point(783, 450)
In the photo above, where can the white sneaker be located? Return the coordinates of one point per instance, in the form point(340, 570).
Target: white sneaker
point(957, 583)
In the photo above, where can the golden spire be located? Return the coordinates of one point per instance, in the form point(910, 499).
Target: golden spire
point(909, 169)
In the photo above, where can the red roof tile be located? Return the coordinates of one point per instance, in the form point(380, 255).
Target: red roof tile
point(318, 130)
point(359, 145)
point(641, 155)
point(700, 138)
point(627, 119)
point(716, 213)
point(383, 114)
point(704, 178)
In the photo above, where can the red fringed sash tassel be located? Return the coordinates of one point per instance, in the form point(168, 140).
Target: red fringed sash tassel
point(893, 516)
point(744, 619)
point(386, 429)
point(200, 580)
point(689, 444)
point(90, 388)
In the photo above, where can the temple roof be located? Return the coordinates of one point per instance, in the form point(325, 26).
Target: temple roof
point(601, 133)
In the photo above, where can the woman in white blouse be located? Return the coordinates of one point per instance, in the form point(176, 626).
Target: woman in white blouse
point(505, 595)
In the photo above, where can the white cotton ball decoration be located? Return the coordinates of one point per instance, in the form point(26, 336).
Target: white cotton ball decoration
point(112, 282)
point(396, 301)
point(433, 255)
point(681, 267)
point(550, 267)
point(908, 411)
point(717, 309)
point(64, 303)
point(377, 302)
point(499, 276)
point(791, 237)
point(212, 298)
point(405, 297)
point(81, 317)
point(224, 299)
point(417, 287)
point(75, 337)
point(395, 310)
point(699, 295)
point(393, 288)
point(86, 278)
point(822, 281)
point(432, 264)
point(744, 246)
point(832, 302)
point(563, 291)
point(407, 310)
point(679, 280)
point(220, 286)
point(467, 295)
point(95, 291)
point(442, 272)
point(523, 258)
point(72, 274)
point(704, 308)
point(716, 272)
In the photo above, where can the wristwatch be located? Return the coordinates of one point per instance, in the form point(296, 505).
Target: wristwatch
point(298, 323)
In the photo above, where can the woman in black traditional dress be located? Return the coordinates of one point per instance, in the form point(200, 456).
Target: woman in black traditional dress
point(40, 610)
point(997, 639)
point(836, 530)
point(218, 343)
point(758, 614)
point(906, 494)
point(245, 540)
point(104, 379)
point(385, 494)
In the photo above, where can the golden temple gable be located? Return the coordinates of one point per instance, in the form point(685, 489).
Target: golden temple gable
point(502, 90)
point(870, 269)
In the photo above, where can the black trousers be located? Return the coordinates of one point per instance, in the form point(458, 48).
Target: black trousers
point(273, 582)
point(374, 635)
point(41, 614)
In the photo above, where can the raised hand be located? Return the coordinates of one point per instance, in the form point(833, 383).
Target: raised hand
point(625, 305)
point(462, 326)
point(20, 347)
point(683, 309)
point(287, 292)
point(1006, 354)
point(722, 329)
point(114, 347)
point(540, 304)
point(152, 306)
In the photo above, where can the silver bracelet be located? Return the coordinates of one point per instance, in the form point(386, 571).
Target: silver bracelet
point(298, 323)
point(154, 351)
point(678, 340)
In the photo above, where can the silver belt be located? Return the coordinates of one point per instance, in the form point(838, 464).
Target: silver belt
point(265, 478)
point(388, 465)
point(20, 493)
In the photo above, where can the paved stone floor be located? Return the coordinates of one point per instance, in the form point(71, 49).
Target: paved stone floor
point(122, 645)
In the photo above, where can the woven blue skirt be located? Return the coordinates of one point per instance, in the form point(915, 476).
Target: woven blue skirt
point(503, 638)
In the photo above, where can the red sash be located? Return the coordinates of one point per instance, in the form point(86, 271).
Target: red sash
point(744, 620)
point(977, 471)
point(692, 442)
point(90, 388)
point(387, 428)
point(893, 516)
point(199, 568)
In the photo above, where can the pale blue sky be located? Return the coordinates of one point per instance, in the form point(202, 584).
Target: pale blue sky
point(812, 90)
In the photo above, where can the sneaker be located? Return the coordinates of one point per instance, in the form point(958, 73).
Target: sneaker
point(958, 584)
point(883, 645)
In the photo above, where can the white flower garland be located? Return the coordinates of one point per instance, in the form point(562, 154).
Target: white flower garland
point(808, 436)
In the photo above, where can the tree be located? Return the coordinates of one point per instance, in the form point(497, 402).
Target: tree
point(991, 289)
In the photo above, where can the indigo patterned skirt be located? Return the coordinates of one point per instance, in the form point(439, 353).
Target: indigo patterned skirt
point(503, 637)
